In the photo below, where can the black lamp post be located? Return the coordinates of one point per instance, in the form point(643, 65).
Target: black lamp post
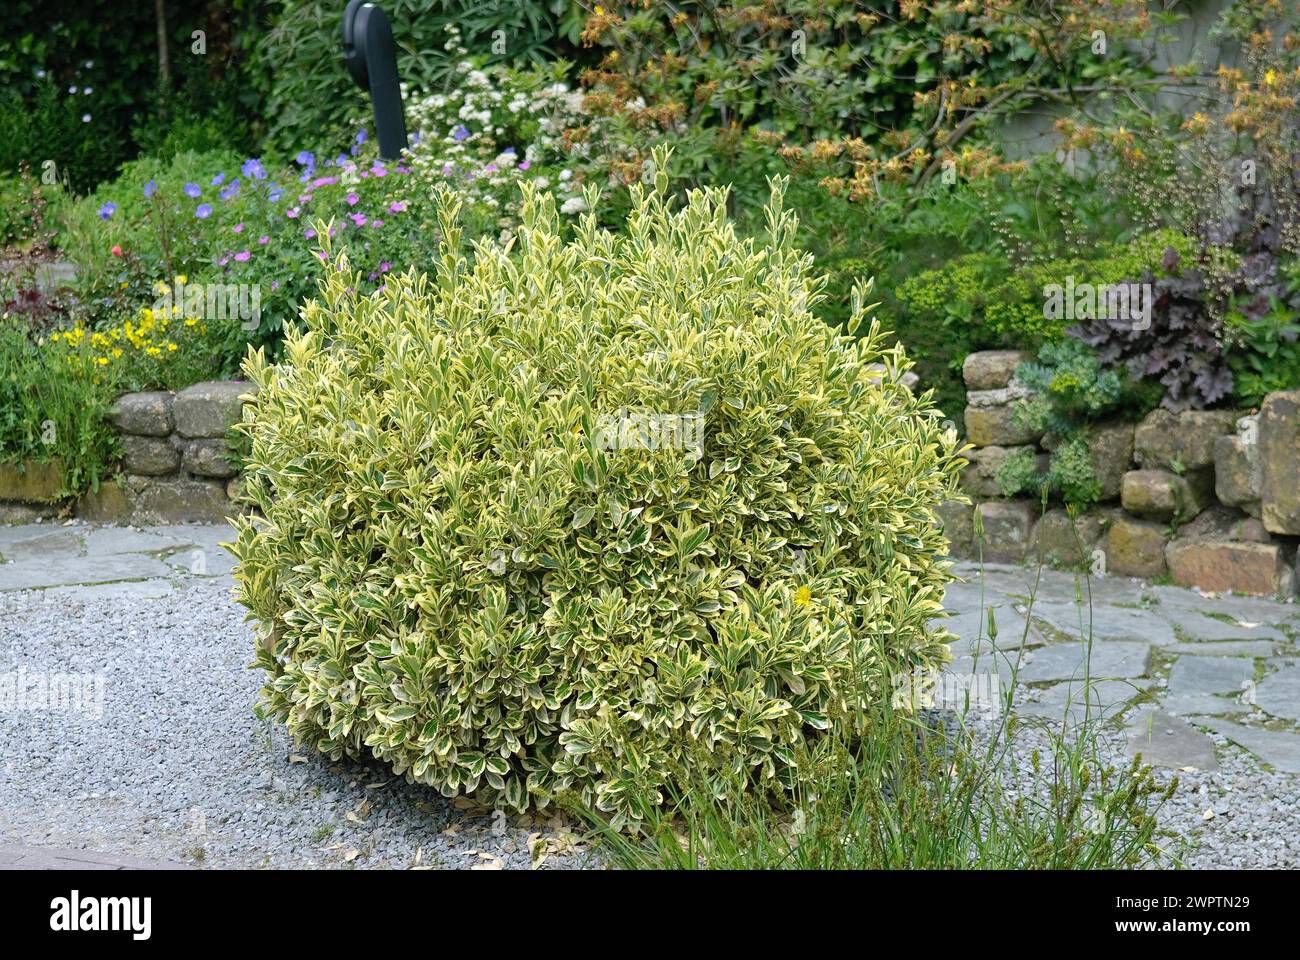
point(372, 61)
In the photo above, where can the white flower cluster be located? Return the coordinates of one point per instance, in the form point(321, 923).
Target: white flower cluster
point(498, 126)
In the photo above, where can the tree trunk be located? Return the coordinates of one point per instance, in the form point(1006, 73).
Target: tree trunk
point(164, 51)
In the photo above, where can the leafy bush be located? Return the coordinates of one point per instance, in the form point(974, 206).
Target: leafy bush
point(54, 400)
point(490, 557)
point(308, 94)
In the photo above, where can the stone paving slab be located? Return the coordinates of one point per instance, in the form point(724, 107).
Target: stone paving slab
point(1197, 676)
point(1165, 741)
point(1279, 693)
point(1280, 749)
point(59, 571)
point(19, 857)
point(1225, 648)
point(1074, 661)
point(1099, 700)
point(1202, 704)
point(1075, 621)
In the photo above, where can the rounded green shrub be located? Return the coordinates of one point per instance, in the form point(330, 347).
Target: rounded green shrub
point(559, 515)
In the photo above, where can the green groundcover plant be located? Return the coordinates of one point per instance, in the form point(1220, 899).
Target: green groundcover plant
point(544, 522)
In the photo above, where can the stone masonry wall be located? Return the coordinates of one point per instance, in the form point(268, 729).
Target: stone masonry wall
point(174, 457)
point(174, 464)
point(1207, 499)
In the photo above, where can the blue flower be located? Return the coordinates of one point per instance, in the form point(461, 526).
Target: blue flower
point(460, 132)
point(107, 210)
point(306, 158)
point(203, 211)
point(229, 190)
point(216, 181)
point(361, 137)
point(150, 189)
point(253, 168)
point(193, 190)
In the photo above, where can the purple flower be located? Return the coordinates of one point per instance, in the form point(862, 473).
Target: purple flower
point(242, 256)
point(252, 167)
point(525, 165)
point(275, 284)
point(306, 158)
point(309, 233)
point(275, 194)
point(361, 136)
point(397, 206)
point(292, 213)
point(324, 181)
point(216, 181)
point(150, 189)
point(107, 210)
point(376, 222)
point(203, 211)
point(239, 228)
point(358, 218)
point(460, 132)
point(490, 168)
point(230, 190)
point(193, 190)
point(385, 267)
point(353, 199)
point(263, 239)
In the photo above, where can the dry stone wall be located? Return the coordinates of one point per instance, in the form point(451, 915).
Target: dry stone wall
point(175, 466)
point(1207, 499)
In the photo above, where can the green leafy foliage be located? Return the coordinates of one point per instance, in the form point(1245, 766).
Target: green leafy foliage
point(310, 97)
point(54, 406)
point(460, 572)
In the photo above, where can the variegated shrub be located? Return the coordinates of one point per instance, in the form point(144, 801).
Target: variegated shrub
point(462, 569)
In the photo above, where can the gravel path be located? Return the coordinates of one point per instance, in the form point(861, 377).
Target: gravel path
point(165, 762)
point(177, 769)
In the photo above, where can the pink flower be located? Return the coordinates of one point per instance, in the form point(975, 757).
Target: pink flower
point(324, 181)
point(242, 256)
point(310, 233)
point(397, 206)
point(264, 239)
point(239, 228)
point(525, 165)
point(292, 212)
point(353, 199)
point(376, 222)
point(358, 218)
point(116, 251)
point(320, 255)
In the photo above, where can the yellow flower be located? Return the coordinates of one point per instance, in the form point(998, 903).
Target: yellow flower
point(803, 597)
point(1270, 78)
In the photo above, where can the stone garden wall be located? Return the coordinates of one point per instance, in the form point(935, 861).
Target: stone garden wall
point(174, 466)
point(1208, 499)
